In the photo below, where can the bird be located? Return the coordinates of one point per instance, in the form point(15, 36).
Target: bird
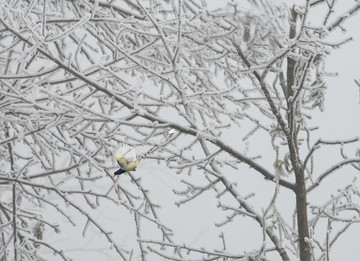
point(126, 156)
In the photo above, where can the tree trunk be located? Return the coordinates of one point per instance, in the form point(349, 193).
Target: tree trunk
point(300, 189)
point(302, 217)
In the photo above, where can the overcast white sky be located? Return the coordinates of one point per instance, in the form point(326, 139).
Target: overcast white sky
point(339, 120)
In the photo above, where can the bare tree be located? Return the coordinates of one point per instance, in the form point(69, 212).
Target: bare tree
point(79, 77)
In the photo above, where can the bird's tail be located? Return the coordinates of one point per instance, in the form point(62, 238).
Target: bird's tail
point(163, 140)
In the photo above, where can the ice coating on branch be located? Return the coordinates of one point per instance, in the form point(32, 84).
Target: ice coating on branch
point(172, 131)
point(203, 135)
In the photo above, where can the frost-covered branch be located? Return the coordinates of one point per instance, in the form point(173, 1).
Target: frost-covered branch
point(78, 78)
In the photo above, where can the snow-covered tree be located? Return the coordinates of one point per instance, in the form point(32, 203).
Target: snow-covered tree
point(239, 84)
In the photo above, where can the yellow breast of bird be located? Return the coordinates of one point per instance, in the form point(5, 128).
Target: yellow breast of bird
point(129, 166)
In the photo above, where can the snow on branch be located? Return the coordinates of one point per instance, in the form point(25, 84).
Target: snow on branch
point(239, 84)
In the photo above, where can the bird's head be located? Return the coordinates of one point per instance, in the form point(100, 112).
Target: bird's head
point(118, 172)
